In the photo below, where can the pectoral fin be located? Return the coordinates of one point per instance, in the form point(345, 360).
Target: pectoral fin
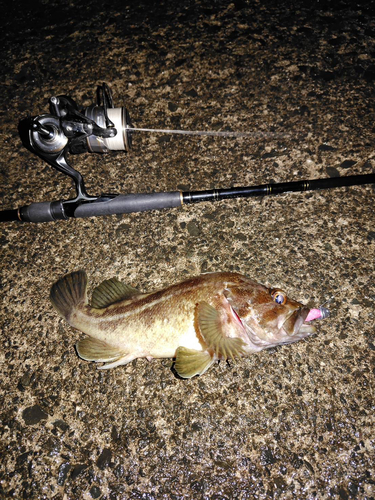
point(213, 332)
point(91, 349)
point(190, 362)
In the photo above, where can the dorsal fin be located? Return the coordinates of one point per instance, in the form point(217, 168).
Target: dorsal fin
point(111, 291)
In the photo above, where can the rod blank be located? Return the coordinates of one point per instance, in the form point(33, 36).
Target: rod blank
point(278, 188)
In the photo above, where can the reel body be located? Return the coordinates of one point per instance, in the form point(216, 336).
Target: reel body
point(99, 128)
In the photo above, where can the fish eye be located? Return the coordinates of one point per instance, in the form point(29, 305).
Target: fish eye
point(279, 297)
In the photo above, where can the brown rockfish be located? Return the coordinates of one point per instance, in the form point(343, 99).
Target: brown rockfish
point(210, 317)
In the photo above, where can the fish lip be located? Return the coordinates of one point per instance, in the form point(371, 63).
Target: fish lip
point(307, 329)
point(300, 327)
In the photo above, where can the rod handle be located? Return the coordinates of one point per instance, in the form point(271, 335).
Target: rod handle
point(128, 203)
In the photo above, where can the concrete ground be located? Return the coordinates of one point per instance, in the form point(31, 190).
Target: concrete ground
point(292, 422)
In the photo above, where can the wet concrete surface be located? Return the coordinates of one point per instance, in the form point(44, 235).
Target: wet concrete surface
point(292, 422)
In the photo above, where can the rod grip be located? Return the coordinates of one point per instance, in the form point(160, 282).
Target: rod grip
point(128, 203)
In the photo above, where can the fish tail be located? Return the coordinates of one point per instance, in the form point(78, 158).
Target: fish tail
point(69, 293)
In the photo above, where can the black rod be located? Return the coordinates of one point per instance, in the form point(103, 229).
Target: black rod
point(278, 188)
point(129, 203)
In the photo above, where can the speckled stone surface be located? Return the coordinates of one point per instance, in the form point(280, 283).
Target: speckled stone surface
point(292, 422)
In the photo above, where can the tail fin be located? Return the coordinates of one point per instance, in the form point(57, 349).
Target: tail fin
point(69, 293)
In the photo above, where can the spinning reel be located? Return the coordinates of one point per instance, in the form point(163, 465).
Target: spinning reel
point(99, 128)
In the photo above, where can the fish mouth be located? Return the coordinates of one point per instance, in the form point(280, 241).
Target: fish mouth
point(295, 325)
point(306, 329)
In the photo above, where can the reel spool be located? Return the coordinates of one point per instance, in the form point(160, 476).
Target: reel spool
point(121, 122)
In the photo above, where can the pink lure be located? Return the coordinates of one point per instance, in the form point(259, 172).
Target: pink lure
point(320, 313)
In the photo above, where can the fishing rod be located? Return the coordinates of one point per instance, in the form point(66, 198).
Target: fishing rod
point(127, 203)
point(101, 128)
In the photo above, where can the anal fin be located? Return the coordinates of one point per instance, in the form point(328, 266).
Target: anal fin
point(91, 349)
point(190, 362)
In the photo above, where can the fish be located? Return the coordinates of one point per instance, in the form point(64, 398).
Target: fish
point(210, 317)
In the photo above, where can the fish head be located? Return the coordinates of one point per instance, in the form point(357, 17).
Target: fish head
point(269, 316)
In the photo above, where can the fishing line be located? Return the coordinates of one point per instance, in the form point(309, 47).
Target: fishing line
point(212, 133)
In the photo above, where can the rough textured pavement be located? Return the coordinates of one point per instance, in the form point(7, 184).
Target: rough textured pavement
point(292, 422)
